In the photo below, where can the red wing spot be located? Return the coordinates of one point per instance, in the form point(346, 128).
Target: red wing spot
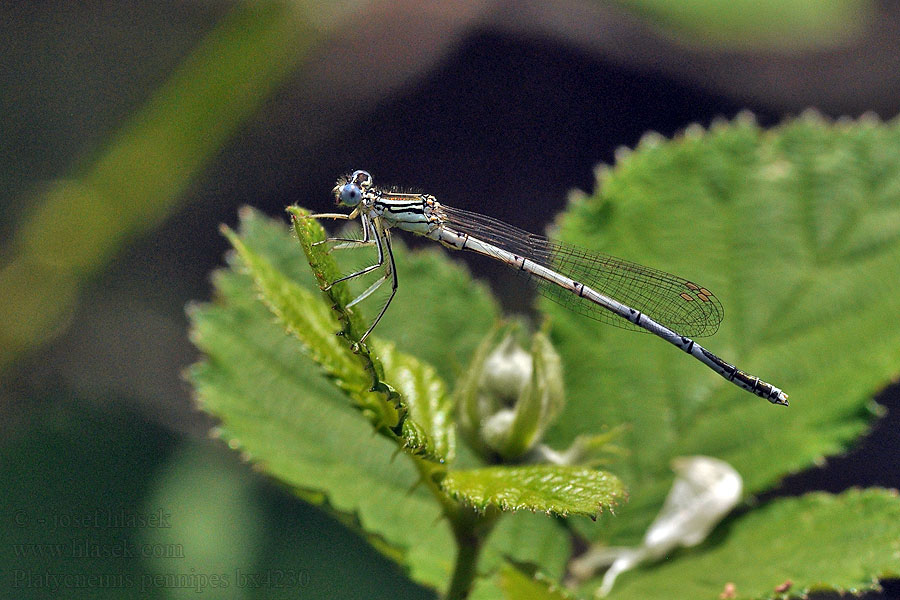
point(703, 297)
point(691, 286)
point(687, 297)
point(706, 292)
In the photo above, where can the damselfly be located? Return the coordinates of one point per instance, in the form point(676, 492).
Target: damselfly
point(596, 285)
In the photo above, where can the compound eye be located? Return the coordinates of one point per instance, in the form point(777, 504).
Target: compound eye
point(350, 194)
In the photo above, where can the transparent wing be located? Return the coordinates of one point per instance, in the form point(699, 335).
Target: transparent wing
point(681, 305)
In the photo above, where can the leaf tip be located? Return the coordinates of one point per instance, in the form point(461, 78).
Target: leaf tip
point(813, 117)
point(622, 153)
point(295, 211)
point(245, 213)
point(745, 117)
point(651, 139)
point(869, 118)
point(694, 131)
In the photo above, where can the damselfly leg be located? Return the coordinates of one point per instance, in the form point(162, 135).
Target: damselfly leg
point(375, 235)
point(349, 243)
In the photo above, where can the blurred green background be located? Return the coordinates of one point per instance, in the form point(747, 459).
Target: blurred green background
point(130, 130)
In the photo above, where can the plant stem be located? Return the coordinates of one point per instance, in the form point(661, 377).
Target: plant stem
point(470, 530)
point(469, 534)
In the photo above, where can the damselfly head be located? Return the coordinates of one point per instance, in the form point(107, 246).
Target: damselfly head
point(350, 189)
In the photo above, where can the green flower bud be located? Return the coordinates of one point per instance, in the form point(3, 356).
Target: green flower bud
point(509, 396)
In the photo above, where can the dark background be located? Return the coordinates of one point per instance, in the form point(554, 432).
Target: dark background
point(497, 107)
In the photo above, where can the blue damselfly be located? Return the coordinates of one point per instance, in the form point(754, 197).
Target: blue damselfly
point(596, 285)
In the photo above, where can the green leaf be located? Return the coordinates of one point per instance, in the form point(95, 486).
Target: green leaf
point(311, 321)
point(818, 542)
point(797, 231)
point(554, 489)
point(426, 395)
point(283, 412)
point(286, 414)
